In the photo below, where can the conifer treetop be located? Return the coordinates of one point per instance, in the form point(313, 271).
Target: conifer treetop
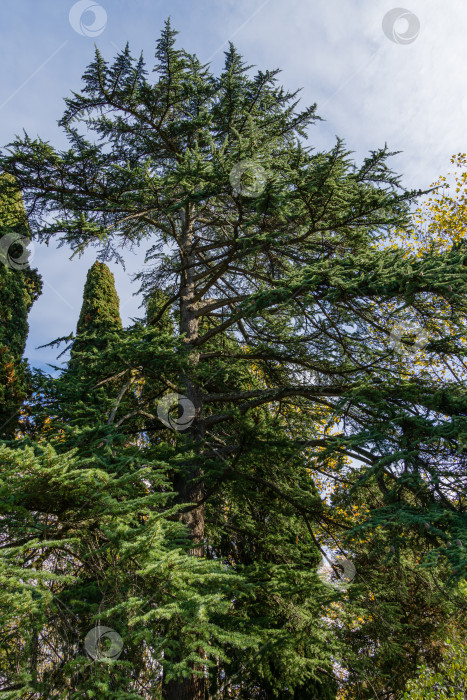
point(100, 310)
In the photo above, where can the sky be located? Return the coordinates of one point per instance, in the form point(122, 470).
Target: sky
point(379, 74)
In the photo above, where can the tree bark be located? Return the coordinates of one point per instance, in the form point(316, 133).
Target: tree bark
point(191, 688)
point(189, 485)
point(189, 325)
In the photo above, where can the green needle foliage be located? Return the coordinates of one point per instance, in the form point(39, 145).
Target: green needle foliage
point(100, 309)
point(100, 495)
point(19, 288)
point(99, 320)
point(270, 298)
point(448, 683)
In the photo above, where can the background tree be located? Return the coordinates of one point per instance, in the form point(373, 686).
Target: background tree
point(100, 311)
point(390, 555)
point(19, 288)
point(396, 614)
point(448, 682)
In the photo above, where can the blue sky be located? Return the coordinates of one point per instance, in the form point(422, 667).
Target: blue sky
point(370, 89)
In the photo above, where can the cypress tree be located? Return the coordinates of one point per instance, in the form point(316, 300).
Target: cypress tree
point(77, 393)
point(100, 311)
point(19, 288)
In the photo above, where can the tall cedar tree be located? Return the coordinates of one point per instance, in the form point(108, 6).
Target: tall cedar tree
point(295, 279)
point(19, 288)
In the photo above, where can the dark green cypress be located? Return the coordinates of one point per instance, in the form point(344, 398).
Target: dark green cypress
point(100, 312)
point(19, 288)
